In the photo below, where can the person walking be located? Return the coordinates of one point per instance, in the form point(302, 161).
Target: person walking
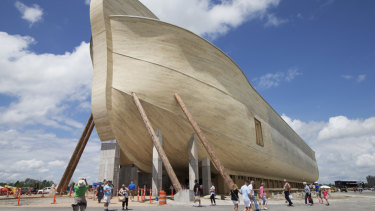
point(212, 194)
point(124, 196)
point(319, 193)
point(80, 202)
point(252, 193)
point(246, 195)
point(307, 194)
point(108, 188)
point(234, 196)
point(320, 196)
point(287, 192)
point(325, 194)
point(132, 188)
point(197, 193)
point(262, 194)
point(100, 193)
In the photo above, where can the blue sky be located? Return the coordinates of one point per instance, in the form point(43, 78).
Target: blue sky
point(313, 61)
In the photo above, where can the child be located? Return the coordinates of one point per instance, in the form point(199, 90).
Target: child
point(263, 197)
point(325, 194)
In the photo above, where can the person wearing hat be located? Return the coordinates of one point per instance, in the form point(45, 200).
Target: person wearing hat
point(107, 194)
point(80, 202)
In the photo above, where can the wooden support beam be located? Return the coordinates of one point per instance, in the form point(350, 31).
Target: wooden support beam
point(157, 145)
point(76, 156)
point(229, 182)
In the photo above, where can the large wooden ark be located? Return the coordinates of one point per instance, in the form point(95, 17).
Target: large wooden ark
point(133, 51)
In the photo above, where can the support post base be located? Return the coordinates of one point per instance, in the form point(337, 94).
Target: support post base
point(185, 196)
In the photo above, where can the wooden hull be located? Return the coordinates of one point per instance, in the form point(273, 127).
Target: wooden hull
point(132, 51)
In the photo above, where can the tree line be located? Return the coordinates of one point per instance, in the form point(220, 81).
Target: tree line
point(32, 183)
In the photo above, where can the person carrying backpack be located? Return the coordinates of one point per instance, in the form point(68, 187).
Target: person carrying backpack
point(80, 202)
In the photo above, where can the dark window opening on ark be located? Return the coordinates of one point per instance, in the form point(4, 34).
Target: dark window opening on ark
point(258, 132)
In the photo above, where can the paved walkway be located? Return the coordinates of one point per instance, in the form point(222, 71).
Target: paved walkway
point(347, 205)
point(346, 201)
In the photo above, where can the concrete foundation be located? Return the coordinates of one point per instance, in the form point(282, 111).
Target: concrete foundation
point(193, 161)
point(157, 167)
point(184, 196)
point(109, 162)
point(128, 173)
point(206, 176)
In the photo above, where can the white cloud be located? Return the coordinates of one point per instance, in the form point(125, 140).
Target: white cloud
point(31, 14)
point(307, 130)
point(291, 74)
point(361, 78)
point(268, 80)
point(341, 126)
point(272, 20)
point(205, 18)
point(47, 92)
point(344, 147)
point(28, 164)
point(275, 79)
point(56, 163)
point(42, 155)
point(366, 160)
point(45, 85)
point(87, 2)
point(347, 76)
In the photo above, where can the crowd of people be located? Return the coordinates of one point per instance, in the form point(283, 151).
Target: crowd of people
point(105, 193)
point(248, 196)
point(315, 187)
point(249, 199)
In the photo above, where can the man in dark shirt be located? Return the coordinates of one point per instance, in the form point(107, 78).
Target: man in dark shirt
point(197, 193)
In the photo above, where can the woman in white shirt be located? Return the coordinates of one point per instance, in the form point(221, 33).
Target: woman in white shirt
point(212, 193)
point(124, 194)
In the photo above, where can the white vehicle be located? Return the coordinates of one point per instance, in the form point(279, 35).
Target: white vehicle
point(46, 190)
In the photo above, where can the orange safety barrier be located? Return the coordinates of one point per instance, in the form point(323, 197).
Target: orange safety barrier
point(162, 198)
point(19, 199)
point(54, 199)
point(150, 194)
point(138, 195)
